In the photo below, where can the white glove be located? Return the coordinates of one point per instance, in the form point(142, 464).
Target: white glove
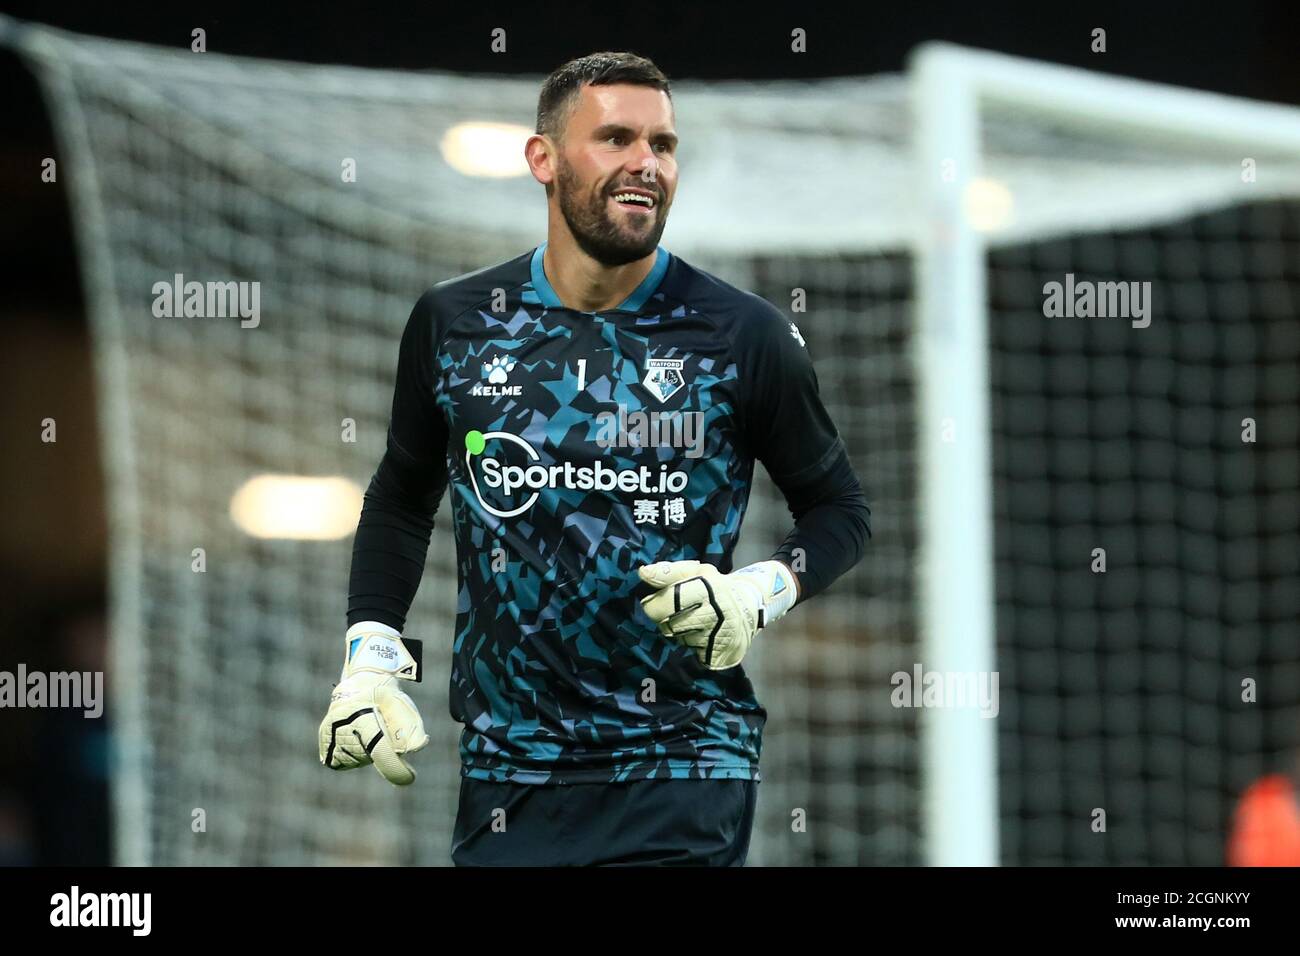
point(713, 613)
point(369, 720)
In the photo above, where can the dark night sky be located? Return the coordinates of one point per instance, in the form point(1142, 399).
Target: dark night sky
point(1247, 47)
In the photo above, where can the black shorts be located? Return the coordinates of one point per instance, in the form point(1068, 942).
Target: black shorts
point(642, 823)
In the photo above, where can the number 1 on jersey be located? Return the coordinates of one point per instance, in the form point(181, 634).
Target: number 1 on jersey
point(582, 374)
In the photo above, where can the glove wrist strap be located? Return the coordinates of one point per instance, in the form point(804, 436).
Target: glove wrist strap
point(378, 648)
point(776, 589)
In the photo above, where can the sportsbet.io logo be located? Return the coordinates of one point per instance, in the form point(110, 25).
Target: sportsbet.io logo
point(499, 484)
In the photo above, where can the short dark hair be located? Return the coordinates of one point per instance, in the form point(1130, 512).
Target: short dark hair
point(560, 91)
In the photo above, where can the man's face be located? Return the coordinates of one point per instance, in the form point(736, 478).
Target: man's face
point(619, 142)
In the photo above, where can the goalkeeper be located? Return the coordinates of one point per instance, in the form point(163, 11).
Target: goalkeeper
point(596, 406)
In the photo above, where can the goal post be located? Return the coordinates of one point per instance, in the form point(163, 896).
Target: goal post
point(952, 89)
point(959, 746)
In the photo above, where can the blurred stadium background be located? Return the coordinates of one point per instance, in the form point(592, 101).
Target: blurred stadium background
point(1120, 691)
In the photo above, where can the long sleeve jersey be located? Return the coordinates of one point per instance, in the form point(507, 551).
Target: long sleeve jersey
point(578, 446)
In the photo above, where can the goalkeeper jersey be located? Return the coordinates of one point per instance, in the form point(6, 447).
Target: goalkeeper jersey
point(575, 447)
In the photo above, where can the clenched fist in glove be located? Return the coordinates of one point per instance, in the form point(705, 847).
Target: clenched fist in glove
point(713, 613)
point(369, 719)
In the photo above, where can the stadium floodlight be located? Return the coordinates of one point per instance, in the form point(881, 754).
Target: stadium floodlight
point(495, 150)
point(297, 506)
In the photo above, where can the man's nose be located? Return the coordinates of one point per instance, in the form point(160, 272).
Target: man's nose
point(643, 161)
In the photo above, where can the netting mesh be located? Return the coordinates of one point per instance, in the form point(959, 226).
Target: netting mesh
point(1123, 690)
point(835, 746)
point(1118, 690)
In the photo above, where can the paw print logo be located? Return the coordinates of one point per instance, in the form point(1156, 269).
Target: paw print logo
point(496, 370)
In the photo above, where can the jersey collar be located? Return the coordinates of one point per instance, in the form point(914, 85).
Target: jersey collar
point(633, 303)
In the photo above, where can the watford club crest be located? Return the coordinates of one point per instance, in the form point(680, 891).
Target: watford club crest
point(664, 377)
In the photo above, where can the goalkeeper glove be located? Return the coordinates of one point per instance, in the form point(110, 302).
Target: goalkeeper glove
point(369, 720)
point(716, 614)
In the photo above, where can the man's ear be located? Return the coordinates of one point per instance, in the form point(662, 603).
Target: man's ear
point(539, 152)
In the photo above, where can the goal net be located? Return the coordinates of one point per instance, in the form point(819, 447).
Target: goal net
point(341, 193)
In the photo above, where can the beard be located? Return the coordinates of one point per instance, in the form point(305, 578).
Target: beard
point(595, 230)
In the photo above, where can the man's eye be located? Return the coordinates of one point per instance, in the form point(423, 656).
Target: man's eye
point(617, 140)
